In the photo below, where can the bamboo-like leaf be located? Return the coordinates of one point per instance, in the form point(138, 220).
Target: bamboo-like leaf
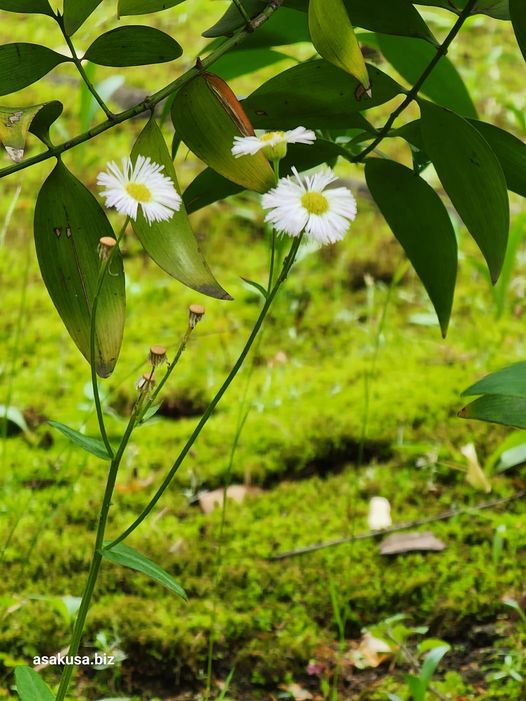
point(207, 116)
point(41, 7)
point(421, 224)
point(510, 381)
point(172, 244)
point(472, 177)
point(144, 7)
point(333, 37)
point(68, 225)
point(518, 20)
point(133, 45)
point(16, 122)
point(510, 151)
point(30, 686)
point(122, 554)
point(91, 445)
point(76, 12)
point(22, 64)
point(498, 409)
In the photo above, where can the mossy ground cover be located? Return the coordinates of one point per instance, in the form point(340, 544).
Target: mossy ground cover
point(351, 393)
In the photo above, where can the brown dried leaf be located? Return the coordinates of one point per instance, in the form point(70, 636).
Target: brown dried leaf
point(410, 542)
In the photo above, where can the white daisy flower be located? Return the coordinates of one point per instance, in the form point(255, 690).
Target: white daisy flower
point(304, 204)
point(141, 184)
point(273, 143)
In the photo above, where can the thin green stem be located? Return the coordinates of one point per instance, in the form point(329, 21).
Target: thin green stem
point(80, 68)
point(150, 102)
point(93, 341)
point(215, 401)
point(413, 93)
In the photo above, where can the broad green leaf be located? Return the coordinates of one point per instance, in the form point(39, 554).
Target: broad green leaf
point(16, 122)
point(236, 63)
point(144, 7)
point(498, 409)
point(22, 64)
point(510, 380)
point(68, 225)
point(91, 445)
point(410, 57)
point(233, 20)
point(333, 37)
point(41, 7)
point(207, 116)
point(44, 118)
point(133, 45)
point(76, 12)
point(416, 687)
point(209, 186)
point(286, 27)
point(421, 224)
point(172, 244)
point(393, 17)
point(499, 9)
point(472, 177)
point(30, 686)
point(510, 151)
point(316, 94)
point(518, 20)
point(122, 554)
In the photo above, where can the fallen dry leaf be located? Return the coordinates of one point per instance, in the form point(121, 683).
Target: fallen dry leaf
point(297, 692)
point(409, 542)
point(237, 492)
point(371, 652)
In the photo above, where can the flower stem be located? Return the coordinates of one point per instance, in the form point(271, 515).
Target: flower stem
point(287, 265)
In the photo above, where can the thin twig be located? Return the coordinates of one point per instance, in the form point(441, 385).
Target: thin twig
point(444, 516)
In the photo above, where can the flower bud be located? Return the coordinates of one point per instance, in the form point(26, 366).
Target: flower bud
point(195, 314)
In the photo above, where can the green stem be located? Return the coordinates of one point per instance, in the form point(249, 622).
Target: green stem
point(150, 102)
point(243, 12)
point(413, 93)
point(80, 68)
point(209, 410)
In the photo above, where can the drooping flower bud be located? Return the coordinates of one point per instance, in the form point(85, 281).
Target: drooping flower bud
point(157, 356)
point(195, 314)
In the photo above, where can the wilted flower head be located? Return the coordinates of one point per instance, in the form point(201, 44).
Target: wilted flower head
point(106, 246)
point(272, 143)
point(195, 314)
point(141, 184)
point(379, 514)
point(145, 382)
point(299, 204)
point(157, 356)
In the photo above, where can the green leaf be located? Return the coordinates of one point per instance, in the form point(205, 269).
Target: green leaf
point(144, 7)
point(172, 244)
point(30, 686)
point(44, 118)
point(499, 9)
point(510, 380)
point(256, 286)
point(122, 554)
point(236, 63)
point(22, 64)
point(16, 122)
point(209, 186)
point(316, 94)
point(207, 116)
point(68, 225)
point(510, 151)
point(472, 177)
point(76, 12)
point(431, 662)
point(133, 45)
point(421, 224)
point(334, 39)
point(286, 27)
point(410, 57)
point(518, 20)
point(41, 7)
point(232, 19)
point(91, 445)
point(416, 687)
point(498, 409)
point(15, 420)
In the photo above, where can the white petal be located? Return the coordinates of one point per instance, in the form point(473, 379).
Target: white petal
point(246, 146)
point(300, 135)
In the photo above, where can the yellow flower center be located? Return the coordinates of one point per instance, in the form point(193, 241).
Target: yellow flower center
point(315, 203)
point(272, 135)
point(139, 192)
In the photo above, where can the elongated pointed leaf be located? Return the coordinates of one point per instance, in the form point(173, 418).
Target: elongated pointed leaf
point(172, 244)
point(68, 225)
point(510, 380)
point(133, 45)
point(91, 445)
point(410, 57)
point(431, 662)
point(510, 151)
point(44, 118)
point(518, 20)
point(122, 554)
point(76, 12)
point(41, 7)
point(16, 122)
point(421, 224)
point(288, 26)
point(333, 37)
point(498, 409)
point(472, 177)
point(22, 64)
point(233, 20)
point(30, 686)
point(207, 116)
point(144, 7)
point(236, 63)
point(316, 94)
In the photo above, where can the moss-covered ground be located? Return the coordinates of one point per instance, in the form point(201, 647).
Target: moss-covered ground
point(350, 393)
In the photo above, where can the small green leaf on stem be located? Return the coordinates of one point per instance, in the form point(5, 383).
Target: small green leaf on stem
point(22, 64)
point(133, 45)
point(16, 122)
point(91, 445)
point(30, 686)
